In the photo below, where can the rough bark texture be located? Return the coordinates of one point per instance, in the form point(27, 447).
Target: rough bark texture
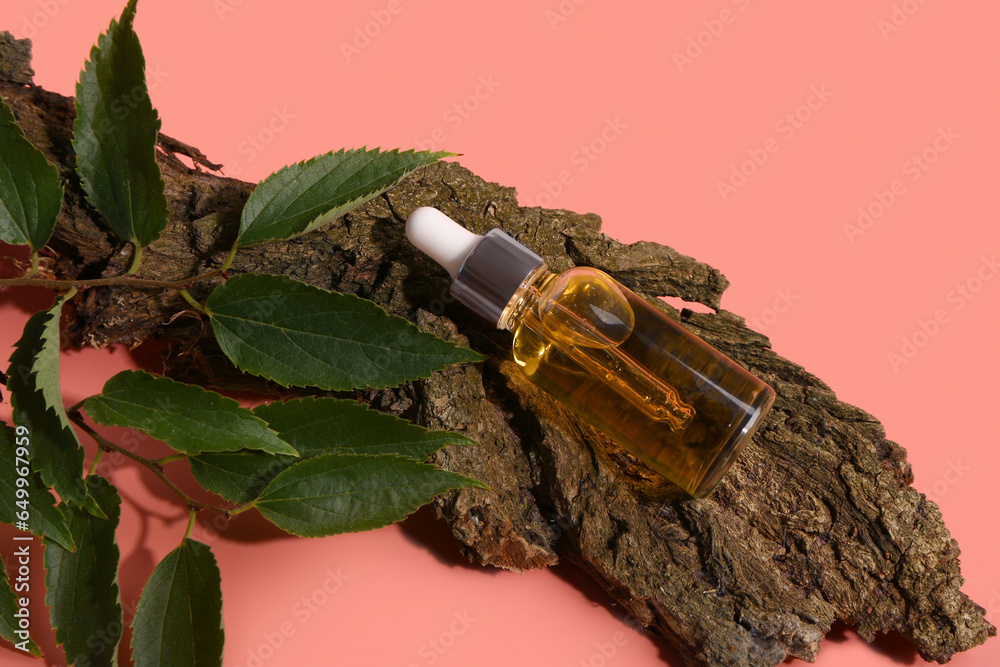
point(816, 521)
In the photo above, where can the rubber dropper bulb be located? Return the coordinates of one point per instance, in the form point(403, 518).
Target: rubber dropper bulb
point(441, 238)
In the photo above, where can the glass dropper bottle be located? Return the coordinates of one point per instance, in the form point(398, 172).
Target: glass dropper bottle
point(659, 391)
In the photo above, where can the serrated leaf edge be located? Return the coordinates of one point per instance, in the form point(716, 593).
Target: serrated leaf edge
point(466, 482)
point(328, 216)
point(246, 412)
point(475, 358)
point(142, 592)
point(50, 169)
point(116, 581)
point(452, 437)
point(127, 19)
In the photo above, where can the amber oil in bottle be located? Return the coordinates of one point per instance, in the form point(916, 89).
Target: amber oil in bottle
point(656, 389)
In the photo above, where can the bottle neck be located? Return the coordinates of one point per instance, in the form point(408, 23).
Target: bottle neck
point(525, 298)
point(495, 269)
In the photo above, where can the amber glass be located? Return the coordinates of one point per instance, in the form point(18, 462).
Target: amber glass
point(662, 393)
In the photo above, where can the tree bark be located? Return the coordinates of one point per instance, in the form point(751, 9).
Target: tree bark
point(816, 521)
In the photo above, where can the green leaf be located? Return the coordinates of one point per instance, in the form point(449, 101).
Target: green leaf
point(179, 619)
point(83, 596)
point(190, 419)
point(30, 191)
point(36, 395)
point(239, 477)
point(8, 621)
point(115, 134)
point(316, 426)
point(301, 197)
point(44, 519)
point(343, 493)
point(298, 334)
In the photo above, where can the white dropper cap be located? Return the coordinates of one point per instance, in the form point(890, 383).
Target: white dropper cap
point(441, 238)
point(486, 270)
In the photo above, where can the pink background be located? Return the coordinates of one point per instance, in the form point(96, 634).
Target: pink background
point(894, 76)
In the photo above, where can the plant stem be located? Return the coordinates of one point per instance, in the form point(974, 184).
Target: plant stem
point(136, 260)
point(230, 258)
point(127, 281)
point(187, 533)
point(34, 263)
point(191, 300)
point(170, 459)
point(97, 460)
point(157, 469)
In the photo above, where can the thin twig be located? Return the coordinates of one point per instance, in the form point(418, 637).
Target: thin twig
point(127, 281)
point(154, 466)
